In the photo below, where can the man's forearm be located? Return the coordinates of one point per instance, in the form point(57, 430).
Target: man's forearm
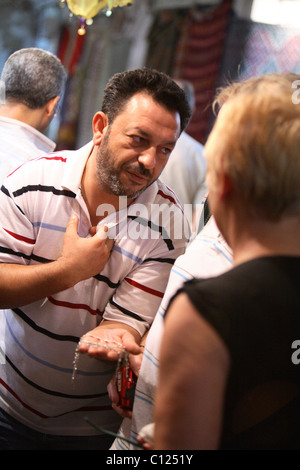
point(21, 285)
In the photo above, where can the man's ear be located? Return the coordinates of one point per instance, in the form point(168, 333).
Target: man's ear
point(51, 106)
point(100, 124)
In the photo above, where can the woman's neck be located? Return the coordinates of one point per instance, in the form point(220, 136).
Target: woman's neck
point(258, 238)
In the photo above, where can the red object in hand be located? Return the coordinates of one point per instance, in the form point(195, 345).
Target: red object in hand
point(126, 382)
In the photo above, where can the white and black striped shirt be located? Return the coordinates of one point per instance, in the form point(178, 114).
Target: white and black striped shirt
point(38, 341)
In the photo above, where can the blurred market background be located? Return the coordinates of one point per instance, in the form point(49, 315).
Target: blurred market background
point(208, 42)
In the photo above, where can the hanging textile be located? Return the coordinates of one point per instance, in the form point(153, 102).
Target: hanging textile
point(163, 38)
point(70, 51)
point(271, 48)
point(198, 60)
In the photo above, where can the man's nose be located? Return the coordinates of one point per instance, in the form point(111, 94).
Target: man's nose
point(148, 158)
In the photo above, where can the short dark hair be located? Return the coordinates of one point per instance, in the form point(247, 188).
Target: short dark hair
point(33, 76)
point(122, 86)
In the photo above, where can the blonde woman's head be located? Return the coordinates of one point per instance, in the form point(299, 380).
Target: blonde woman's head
point(256, 143)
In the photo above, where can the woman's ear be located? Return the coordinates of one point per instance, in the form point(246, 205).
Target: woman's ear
point(226, 186)
point(100, 124)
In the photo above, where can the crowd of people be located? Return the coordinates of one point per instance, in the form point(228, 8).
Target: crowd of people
point(99, 273)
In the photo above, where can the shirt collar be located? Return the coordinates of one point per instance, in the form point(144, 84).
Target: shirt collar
point(41, 141)
point(76, 162)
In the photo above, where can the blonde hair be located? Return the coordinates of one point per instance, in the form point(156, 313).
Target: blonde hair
point(253, 84)
point(256, 142)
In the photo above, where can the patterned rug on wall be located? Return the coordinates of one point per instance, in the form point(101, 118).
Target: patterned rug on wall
point(271, 49)
point(253, 49)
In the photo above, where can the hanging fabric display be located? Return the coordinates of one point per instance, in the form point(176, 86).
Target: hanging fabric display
point(87, 9)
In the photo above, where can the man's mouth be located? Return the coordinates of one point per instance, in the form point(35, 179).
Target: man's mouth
point(138, 177)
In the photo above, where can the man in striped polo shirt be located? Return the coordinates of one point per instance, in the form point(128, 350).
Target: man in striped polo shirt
point(87, 241)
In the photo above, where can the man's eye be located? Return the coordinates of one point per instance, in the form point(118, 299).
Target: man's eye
point(166, 150)
point(138, 139)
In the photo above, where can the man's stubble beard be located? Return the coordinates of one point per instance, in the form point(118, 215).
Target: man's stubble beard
point(109, 177)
